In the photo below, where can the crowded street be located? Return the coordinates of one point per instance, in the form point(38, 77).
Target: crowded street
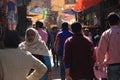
point(60, 40)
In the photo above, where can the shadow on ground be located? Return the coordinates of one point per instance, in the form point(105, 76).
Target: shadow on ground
point(55, 73)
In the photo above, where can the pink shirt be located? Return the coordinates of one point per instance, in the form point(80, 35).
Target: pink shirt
point(43, 34)
point(110, 43)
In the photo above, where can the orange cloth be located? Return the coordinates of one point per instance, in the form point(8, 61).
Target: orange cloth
point(84, 4)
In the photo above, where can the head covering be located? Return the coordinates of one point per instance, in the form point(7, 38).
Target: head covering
point(36, 39)
point(38, 46)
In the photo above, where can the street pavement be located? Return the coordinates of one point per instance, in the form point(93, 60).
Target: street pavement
point(55, 70)
point(55, 73)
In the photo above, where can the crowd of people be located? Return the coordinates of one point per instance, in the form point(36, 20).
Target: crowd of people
point(73, 50)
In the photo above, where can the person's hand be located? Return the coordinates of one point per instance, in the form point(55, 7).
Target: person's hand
point(68, 77)
point(105, 63)
point(100, 67)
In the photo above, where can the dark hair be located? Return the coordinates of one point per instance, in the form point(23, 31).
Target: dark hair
point(76, 27)
point(54, 28)
point(11, 39)
point(113, 18)
point(65, 25)
point(39, 24)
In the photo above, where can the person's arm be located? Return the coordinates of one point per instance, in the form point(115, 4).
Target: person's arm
point(15, 9)
point(94, 58)
point(39, 69)
point(57, 40)
point(67, 59)
point(67, 72)
point(102, 49)
point(49, 40)
point(7, 9)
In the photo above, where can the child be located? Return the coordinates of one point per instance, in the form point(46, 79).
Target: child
point(11, 10)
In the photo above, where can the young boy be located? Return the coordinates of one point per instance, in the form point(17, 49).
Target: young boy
point(11, 10)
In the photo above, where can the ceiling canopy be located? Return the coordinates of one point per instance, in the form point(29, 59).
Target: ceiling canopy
point(84, 4)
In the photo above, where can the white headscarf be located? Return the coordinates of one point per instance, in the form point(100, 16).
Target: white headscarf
point(38, 46)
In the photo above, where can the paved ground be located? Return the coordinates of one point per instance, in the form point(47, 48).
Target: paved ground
point(55, 71)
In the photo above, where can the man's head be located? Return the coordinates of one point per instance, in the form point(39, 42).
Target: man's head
point(54, 29)
point(39, 24)
point(76, 27)
point(65, 25)
point(86, 31)
point(11, 39)
point(113, 18)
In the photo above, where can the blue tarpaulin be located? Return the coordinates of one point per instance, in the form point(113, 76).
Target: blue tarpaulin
point(36, 10)
point(69, 11)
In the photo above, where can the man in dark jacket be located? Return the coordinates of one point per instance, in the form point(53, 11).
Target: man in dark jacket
point(79, 56)
point(59, 46)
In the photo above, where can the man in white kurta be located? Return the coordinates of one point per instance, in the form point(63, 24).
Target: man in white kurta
point(16, 63)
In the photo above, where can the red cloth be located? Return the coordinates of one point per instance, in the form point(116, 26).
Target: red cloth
point(84, 4)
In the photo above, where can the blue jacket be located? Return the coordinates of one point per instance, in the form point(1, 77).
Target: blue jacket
point(11, 6)
point(64, 34)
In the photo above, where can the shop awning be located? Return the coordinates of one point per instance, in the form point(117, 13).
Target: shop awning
point(84, 4)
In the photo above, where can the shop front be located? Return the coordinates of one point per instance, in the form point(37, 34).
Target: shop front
point(95, 16)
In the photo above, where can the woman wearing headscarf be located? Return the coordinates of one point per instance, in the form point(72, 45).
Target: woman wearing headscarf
point(34, 44)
